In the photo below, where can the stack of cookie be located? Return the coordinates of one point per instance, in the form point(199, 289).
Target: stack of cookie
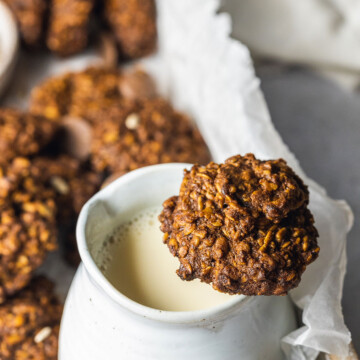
point(81, 128)
point(64, 25)
point(27, 233)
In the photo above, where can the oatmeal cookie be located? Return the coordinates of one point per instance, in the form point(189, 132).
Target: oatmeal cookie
point(30, 16)
point(68, 26)
point(143, 133)
point(27, 224)
point(29, 323)
point(74, 183)
point(51, 98)
point(242, 226)
point(22, 134)
point(93, 89)
point(83, 94)
point(76, 93)
point(134, 25)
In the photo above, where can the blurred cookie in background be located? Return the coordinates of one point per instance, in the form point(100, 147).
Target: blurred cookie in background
point(29, 323)
point(134, 25)
point(75, 93)
point(74, 183)
point(28, 228)
point(23, 134)
point(145, 132)
point(64, 26)
point(68, 28)
point(30, 15)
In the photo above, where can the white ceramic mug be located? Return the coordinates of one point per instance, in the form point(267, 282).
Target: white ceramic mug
point(101, 323)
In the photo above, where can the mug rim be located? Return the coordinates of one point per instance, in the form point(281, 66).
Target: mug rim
point(10, 31)
point(193, 316)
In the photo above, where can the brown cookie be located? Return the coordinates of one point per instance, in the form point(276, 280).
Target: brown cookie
point(74, 184)
point(144, 132)
point(30, 15)
point(22, 134)
point(83, 94)
point(77, 94)
point(93, 89)
point(29, 323)
point(68, 28)
point(243, 226)
point(27, 224)
point(134, 25)
point(51, 98)
point(71, 180)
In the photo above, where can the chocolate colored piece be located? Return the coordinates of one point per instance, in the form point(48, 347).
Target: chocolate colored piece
point(76, 137)
point(134, 25)
point(29, 323)
point(143, 133)
point(108, 50)
point(137, 85)
point(242, 226)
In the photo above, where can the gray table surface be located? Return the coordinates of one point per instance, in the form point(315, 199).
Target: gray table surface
point(320, 122)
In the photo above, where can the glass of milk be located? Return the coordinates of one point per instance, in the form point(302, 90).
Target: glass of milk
point(126, 301)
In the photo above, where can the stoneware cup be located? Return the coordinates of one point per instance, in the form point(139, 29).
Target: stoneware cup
point(99, 322)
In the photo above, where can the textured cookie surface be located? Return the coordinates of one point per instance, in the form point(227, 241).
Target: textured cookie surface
point(242, 226)
point(22, 134)
point(27, 224)
point(134, 25)
point(76, 94)
point(29, 323)
point(143, 133)
point(71, 180)
point(73, 184)
point(68, 26)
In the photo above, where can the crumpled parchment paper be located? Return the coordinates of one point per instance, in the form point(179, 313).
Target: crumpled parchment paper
point(210, 76)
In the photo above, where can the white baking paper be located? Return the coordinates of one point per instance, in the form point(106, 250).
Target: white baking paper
point(210, 76)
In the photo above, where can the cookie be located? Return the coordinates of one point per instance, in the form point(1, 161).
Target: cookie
point(73, 183)
point(22, 134)
point(71, 180)
point(242, 226)
point(27, 224)
point(51, 98)
point(134, 25)
point(68, 27)
point(30, 16)
point(77, 94)
point(29, 323)
point(93, 89)
point(143, 133)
